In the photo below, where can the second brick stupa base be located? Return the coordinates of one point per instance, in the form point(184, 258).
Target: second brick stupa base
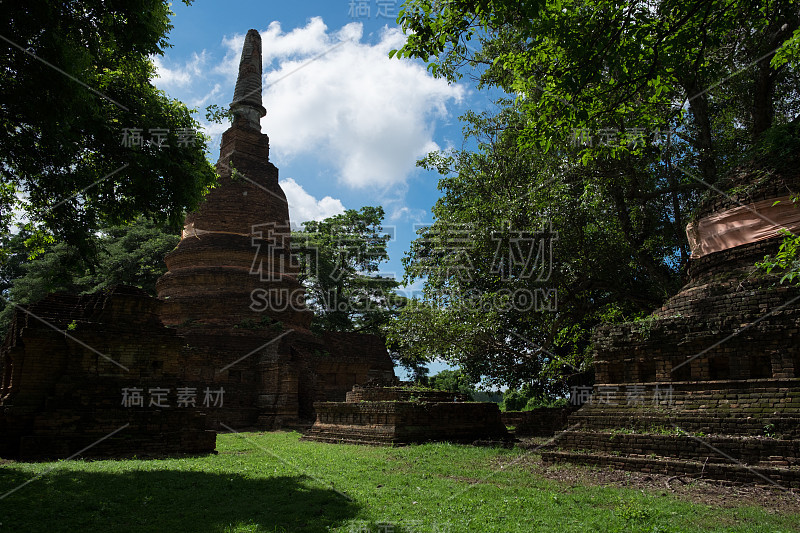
point(709, 385)
point(388, 415)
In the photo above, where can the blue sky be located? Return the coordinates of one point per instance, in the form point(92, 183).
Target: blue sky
point(346, 128)
point(346, 123)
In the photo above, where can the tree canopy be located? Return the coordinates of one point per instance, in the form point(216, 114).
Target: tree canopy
point(623, 116)
point(341, 259)
point(130, 254)
point(598, 66)
point(87, 141)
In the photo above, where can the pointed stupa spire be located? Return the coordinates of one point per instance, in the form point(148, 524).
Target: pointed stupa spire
point(246, 106)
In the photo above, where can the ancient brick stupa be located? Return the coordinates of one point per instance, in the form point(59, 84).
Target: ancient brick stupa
point(238, 241)
point(709, 385)
point(232, 287)
point(227, 343)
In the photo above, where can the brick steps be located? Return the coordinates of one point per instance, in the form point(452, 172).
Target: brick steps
point(784, 477)
point(713, 449)
point(733, 423)
point(352, 435)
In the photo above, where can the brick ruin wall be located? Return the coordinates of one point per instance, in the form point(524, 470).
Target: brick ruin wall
point(59, 395)
point(667, 350)
point(399, 422)
point(747, 408)
point(738, 320)
point(349, 359)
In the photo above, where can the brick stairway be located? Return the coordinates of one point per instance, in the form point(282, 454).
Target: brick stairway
point(736, 431)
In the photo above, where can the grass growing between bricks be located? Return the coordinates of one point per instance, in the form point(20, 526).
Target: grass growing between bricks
point(272, 482)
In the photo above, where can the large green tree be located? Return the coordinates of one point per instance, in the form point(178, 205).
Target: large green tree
point(341, 257)
point(624, 115)
point(86, 140)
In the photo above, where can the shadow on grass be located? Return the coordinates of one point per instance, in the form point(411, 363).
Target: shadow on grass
point(167, 500)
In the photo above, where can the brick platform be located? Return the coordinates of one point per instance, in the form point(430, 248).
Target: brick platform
point(381, 415)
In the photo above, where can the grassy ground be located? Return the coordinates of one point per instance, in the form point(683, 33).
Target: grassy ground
point(274, 483)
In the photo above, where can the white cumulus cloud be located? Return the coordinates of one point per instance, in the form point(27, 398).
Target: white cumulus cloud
point(304, 207)
point(179, 76)
point(331, 97)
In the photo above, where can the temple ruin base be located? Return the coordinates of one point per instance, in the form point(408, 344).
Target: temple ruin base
point(387, 415)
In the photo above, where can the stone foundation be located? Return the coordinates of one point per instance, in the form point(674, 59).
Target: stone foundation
point(62, 393)
point(399, 415)
point(59, 395)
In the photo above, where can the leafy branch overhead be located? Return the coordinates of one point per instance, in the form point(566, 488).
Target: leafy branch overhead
point(621, 119)
point(579, 65)
point(87, 140)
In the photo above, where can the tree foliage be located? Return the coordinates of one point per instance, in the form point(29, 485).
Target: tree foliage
point(75, 82)
point(624, 116)
point(527, 398)
point(581, 65)
point(529, 252)
point(131, 254)
point(341, 259)
point(455, 381)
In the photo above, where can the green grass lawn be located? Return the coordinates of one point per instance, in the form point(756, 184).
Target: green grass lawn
point(274, 483)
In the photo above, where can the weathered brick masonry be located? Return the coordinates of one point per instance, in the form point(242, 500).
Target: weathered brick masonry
point(711, 385)
point(539, 422)
point(62, 391)
point(377, 414)
point(230, 316)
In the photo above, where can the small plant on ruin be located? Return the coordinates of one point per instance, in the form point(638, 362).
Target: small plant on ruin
point(645, 325)
point(663, 430)
point(786, 260)
point(621, 431)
